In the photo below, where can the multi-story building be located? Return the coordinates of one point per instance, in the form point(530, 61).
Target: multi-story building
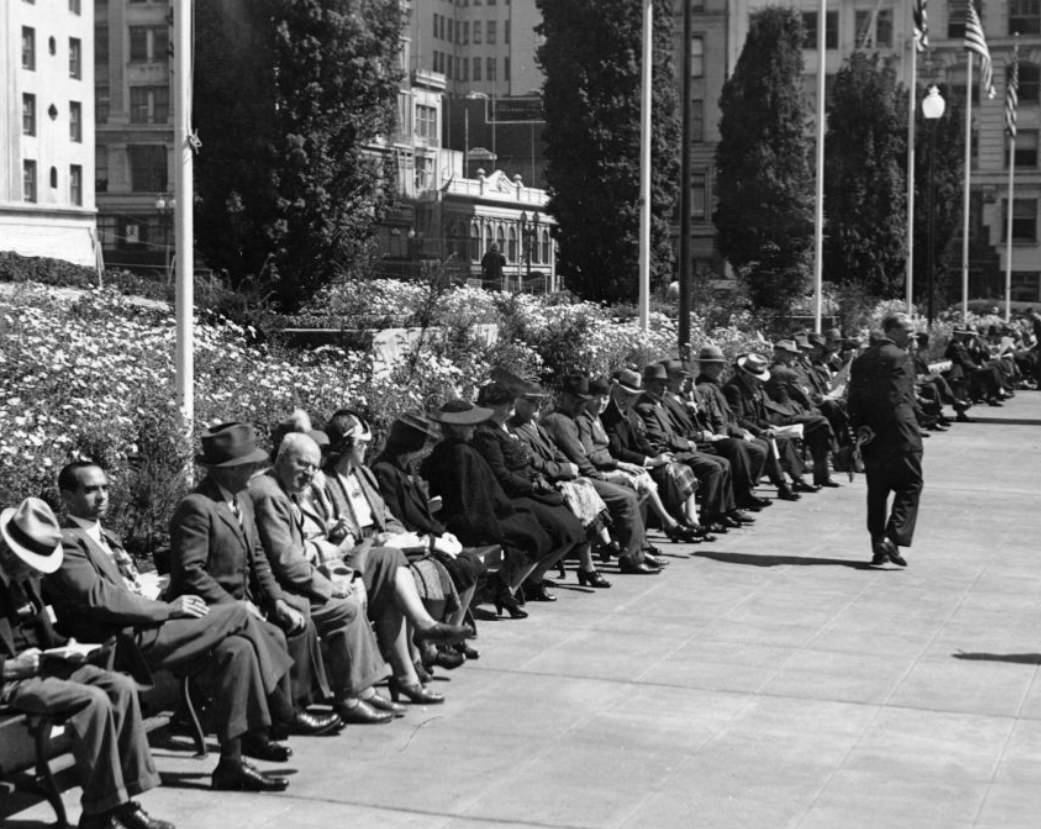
point(885, 27)
point(46, 143)
point(134, 129)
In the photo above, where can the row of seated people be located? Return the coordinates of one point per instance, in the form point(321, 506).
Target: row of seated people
point(305, 577)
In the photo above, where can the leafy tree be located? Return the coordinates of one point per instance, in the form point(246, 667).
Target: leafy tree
point(591, 56)
point(865, 184)
point(765, 194)
point(290, 95)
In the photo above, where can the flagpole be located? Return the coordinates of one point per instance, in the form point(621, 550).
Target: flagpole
point(1008, 227)
point(646, 90)
point(965, 195)
point(912, 100)
point(183, 206)
point(818, 217)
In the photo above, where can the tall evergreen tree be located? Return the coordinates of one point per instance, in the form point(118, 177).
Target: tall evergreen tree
point(865, 184)
point(290, 94)
point(764, 216)
point(591, 57)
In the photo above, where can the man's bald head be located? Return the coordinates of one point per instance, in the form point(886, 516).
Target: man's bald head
point(298, 459)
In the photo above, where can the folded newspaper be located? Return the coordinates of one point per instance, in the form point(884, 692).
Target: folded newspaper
point(793, 430)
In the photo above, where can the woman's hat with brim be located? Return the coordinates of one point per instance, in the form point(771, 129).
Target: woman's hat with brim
point(754, 365)
point(461, 413)
point(629, 381)
point(410, 425)
point(32, 533)
point(230, 444)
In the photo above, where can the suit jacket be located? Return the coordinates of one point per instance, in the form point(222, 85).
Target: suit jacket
point(627, 434)
point(383, 520)
point(716, 410)
point(215, 557)
point(595, 441)
point(508, 458)
point(881, 395)
point(36, 619)
point(281, 534)
point(747, 401)
point(543, 454)
point(661, 434)
point(405, 495)
point(564, 429)
point(88, 592)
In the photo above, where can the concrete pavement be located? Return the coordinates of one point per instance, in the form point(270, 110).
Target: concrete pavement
point(766, 680)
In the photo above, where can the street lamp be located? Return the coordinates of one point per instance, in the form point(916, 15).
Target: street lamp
point(165, 205)
point(933, 108)
point(529, 235)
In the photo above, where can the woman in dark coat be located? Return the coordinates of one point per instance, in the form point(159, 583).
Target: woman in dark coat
point(477, 510)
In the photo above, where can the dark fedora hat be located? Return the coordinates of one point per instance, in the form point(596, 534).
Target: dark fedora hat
point(599, 386)
point(413, 423)
point(711, 354)
point(461, 413)
point(32, 533)
point(230, 444)
point(655, 371)
point(676, 367)
point(755, 365)
point(629, 381)
point(495, 394)
point(786, 345)
point(520, 386)
point(576, 385)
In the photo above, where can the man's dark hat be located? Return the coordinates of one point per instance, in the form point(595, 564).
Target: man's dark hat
point(711, 354)
point(599, 386)
point(803, 342)
point(755, 365)
point(629, 381)
point(576, 385)
point(495, 394)
point(461, 413)
point(519, 385)
point(676, 367)
point(786, 345)
point(230, 444)
point(412, 424)
point(655, 371)
point(816, 339)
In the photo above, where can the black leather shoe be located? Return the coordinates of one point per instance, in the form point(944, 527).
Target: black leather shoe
point(466, 650)
point(261, 748)
point(362, 714)
point(682, 534)
point(743, 517)
point(313, 725)
point(132, 816)
point(536, 592)
point(786, 493)
point(106, 820)
point(242, 777)
point(448, 658)
point(702, 532)
point(800, 485)
point(828, 482)
point(592, 578)
point(654, 561)
point(608, 550)
point(440, 632)
point(963, 418)
point(626, 565)
point(755, 502)
point(384, 704)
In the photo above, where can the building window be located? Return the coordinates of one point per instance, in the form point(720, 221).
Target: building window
point(424, 173)
point(76, 122)
point(490, 69)
point(1024, 17)
point(466, 32)
point(29, 180)
point(1029, 83)
point(697, 57)
point(492, 32)
point(426, 122)
point(1024, 220)
point(506, 68)
point(75, 58)
point(28, 114)
point(477, 31)
point(76, 185)
point(697, 120)
point(100, 170)
point(546, 248)
point(956, 11)
point(506, 31)
point(464, 69)
point(75, 6)
point(500, 238)
point(511, 245)
point(831, 30)
point(1026, 286)
point(54, 178)
point(28, 47)
point(149, 44)
point(101, 104)
point(698, 194)
point(147, 168)
point(100, 45)
point(1026, 150)
point(477, 69)
point(149, 104)
point(884, 28)
point(475, 242)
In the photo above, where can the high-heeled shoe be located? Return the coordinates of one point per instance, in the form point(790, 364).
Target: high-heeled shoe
point(441, 632)
point(467, 651)
point(592, 578)
point(507, 600)
point(609, 550)
point(414, 693)
point(421, 671)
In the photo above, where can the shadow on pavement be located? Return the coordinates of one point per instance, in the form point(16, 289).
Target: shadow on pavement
point(1017, 658)
point(1007, 421)
point(778, 561)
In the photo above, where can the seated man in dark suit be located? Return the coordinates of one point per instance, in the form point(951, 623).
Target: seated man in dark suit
point(352, 653)
point(215, 553)
point(97, 593)
point(100, 707)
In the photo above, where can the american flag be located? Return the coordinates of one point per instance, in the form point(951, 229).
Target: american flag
point(1012, 92)
point(921, 25)
point(975, 41)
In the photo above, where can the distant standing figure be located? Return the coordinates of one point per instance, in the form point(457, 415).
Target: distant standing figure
point(881, 409)
point(492, 264)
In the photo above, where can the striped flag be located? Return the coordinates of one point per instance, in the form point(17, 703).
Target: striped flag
point(1012, 92)
point(921, 25)
point(976, 42)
